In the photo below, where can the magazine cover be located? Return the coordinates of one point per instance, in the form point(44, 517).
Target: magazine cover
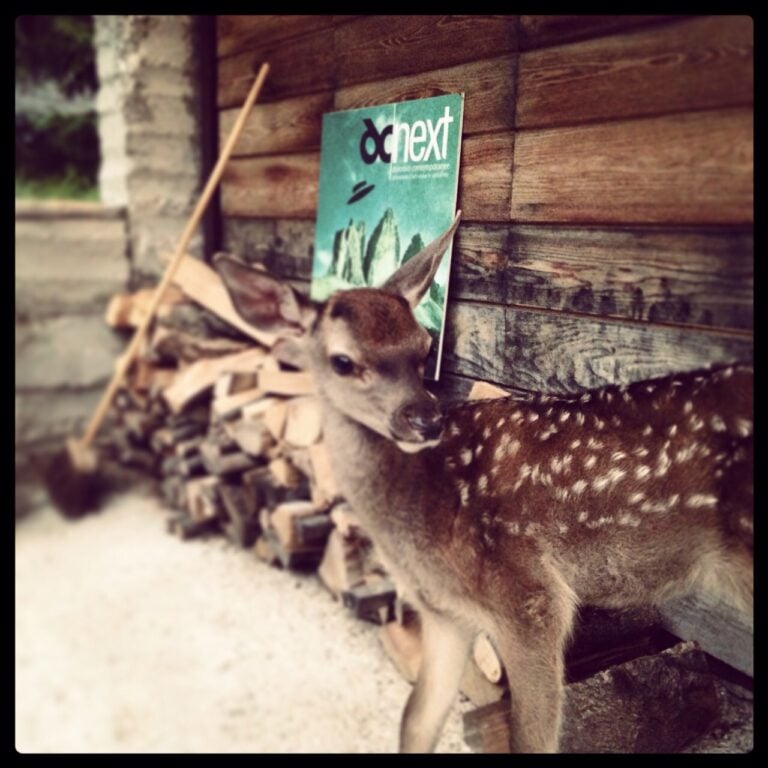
point(388, 185)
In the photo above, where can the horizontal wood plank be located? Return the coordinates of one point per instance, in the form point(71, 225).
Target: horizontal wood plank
point(299, 65)
point(488, 86)
point(380, 47)
point(272, 186)
point(537, 31)
point(689, 65)
point(693, 168)
point(680, 276)
point(288, 125)
point(239, 33)
point(561, 353)
point(485, 176)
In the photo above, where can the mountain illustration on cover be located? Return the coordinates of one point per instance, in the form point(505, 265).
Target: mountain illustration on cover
point(388, 186)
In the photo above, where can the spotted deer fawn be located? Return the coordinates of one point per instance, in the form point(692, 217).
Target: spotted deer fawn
point(503, 515)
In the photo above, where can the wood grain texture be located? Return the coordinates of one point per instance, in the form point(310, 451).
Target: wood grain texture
point(380, 47)
point(561, 353)
point(238, 33)
point(537, 31)
point(688, 65)
point(488, 87)
point(693, 168)
point(272, 186)
point(485, 176)
point(680, 276)
point(299, 65)
point(288, 125)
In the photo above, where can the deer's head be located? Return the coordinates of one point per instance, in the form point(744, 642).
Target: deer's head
point(364, 347)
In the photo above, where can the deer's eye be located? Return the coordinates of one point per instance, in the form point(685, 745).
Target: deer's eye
point(342, 365)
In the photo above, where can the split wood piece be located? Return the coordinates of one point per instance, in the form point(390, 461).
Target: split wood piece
point(274, 417)
point(218, 462)
point(312, 530)
point(169, 466)
point(486, 658)
point(289, 383)
point(131, 456)
point(373, 600)
point(127, 310)
point(183, 526)
point(174, 492)
point(342, 565)
point(303, 422)
point(231, 406)
point(483, 390)
point(345, 520)
point(202, 375)
point(283, 472)
point(147, 377)
point(324, 488)
point(192, 466)
point(298, 559)
point(403, 646)
point(138, 424)
point(234, 383)
point(187, 448)
point(283, 523)
point(204, 286)
point(203, 498)
point(251, 436)
point(180, 346)
point(241, 524)
point(300, 459)
point(265, 551)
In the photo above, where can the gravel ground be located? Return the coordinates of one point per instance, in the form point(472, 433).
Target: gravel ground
point(129, 640)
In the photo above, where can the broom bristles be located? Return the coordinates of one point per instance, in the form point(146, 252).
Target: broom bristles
point(73, 484)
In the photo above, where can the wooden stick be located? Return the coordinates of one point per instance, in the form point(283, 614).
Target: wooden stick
point(125, 360)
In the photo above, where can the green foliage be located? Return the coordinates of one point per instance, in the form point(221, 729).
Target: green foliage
point(56, 48)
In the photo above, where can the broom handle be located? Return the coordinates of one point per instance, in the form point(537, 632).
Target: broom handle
point(127, 357)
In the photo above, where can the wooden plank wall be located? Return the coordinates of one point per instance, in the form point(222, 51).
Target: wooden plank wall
point(606, 178)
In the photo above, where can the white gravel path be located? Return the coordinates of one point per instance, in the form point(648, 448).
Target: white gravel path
point(130, 640)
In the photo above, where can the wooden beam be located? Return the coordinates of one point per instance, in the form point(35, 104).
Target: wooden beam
point(692, 168)
point(555, 29)
point(485, 176)
point(238, 33)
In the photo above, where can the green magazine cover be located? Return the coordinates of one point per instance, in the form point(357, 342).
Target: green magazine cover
point(388, 184)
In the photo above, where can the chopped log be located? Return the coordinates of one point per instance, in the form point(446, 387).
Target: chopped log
point(324, 488)
point(312, 530)
point(188, 448)
point(283, 522)
point(372, 600)
point(219, 463)
point(298, 559)
point(202, 498)
point(192, 466)
point(265, 551)
point(486, 658)
point(180, 346)
point(303, 422)
point(284, 473)
point(174, 492)
point(185, 527)
point(342, 565)
point(484, 390)
point(204, 286)
point(251, 436)
point(241, 524)
point(202, 375)
point(274, 417)
point(232, 405)
point(345, 519)
point(289, 383)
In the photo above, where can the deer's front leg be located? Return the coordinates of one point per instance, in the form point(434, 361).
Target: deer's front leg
point(445, 648)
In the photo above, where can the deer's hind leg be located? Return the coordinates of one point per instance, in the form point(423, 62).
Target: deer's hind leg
point(530, 638)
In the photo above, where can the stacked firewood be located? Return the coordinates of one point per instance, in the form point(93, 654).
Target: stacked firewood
point(233, 435)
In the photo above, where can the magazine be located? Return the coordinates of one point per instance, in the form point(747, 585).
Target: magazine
point(388, 186)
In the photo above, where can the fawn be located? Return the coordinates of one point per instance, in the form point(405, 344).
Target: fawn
point(502, 515)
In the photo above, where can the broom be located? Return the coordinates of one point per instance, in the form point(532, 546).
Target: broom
point(72, 478)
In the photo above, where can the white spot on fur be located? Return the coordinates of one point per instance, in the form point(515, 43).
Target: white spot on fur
point(586, 397)
point(516, 416)
point(590, 462)
point(688, 407)
point(626, 397)
point(743, 427)
point(695, 423)
point(636, 497)
point(548, 412)
point(686, 453)
point(673, 500)
point(482, 483)
point(642, 471)
point(616, 421)
point(717, 424)
point(726, 373)
point(647, 430)
point(580, 419)
point(579, 487)
point(476, 415)
point(500, 423)
point(454, 430)
point(575, 444)
point(595, 444)
point(513, 528)
point(599, 423)
point(582, 517)
point(486, 433)
point(658, 506)
point(547, 432)
point(532, 416)
point(672, 431)
point(564, 416)
point(662, 465)
point(618, 455)
point(562, 528)
point(641, 452)
point(649, 388)
point(464, 493)
point(532, 529)
point(701, 500)
point(561, 494)
point(466, 457)
point(627, 519)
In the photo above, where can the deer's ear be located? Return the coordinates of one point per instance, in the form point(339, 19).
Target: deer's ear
point(413, 279)
point(263, 301)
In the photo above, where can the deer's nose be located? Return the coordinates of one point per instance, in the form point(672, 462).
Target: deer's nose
point(425, 418)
